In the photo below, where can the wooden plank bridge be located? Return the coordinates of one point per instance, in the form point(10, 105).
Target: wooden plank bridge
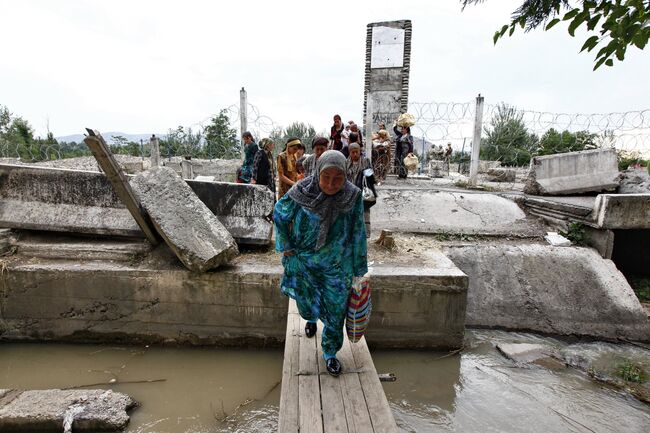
point(312, 401)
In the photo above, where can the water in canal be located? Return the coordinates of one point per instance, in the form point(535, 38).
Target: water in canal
point(210, 390)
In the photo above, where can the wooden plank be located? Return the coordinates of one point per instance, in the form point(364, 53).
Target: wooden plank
point(380, 413)
point(334, 415)
point(309, 403)
point(288, 420)
point(354, 401)
point(120, 182)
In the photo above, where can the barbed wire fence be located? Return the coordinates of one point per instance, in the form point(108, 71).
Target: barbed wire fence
point(509, 135)
point(512, 136)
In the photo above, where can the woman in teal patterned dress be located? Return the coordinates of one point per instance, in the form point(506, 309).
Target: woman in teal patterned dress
point(321, 234)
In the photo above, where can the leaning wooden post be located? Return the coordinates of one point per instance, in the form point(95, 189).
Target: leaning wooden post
point(120, 182)
point(476, 141)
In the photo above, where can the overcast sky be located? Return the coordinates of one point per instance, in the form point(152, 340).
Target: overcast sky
point(147, 66)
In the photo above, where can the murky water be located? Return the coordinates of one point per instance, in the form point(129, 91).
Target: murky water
point(205, 390)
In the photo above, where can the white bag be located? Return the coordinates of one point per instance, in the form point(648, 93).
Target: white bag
point(367, 193)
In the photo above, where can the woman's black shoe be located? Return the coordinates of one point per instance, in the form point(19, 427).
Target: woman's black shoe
point(333, 366)
point(310, 329)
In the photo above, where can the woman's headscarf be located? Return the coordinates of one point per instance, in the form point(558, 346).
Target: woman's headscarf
point(307, 194)
point(265, 143)
point(353, 168)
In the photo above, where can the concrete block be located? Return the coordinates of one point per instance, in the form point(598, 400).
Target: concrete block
point(622, 211)
point(39, 198)
point(573, 172)
point(88, 410)
point(485, 166)
point(564, 291)
point(526, 352)
point(501, 175)
point(51, 199)
point(188, 227)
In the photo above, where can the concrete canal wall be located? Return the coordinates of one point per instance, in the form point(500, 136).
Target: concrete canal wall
point(160, 302)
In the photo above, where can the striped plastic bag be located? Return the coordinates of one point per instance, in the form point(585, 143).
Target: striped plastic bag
point(359, 308)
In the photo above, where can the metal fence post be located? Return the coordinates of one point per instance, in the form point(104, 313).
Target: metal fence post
point(476, 141)
point(243, 117)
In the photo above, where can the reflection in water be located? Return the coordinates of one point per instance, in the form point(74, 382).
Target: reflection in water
point(211, 391)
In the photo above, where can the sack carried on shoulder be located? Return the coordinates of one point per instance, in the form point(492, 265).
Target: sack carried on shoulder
point(359, 308)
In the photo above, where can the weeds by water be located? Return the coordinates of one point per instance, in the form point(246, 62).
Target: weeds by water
point(630, 372)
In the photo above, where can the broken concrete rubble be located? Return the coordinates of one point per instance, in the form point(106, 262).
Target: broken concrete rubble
point(88, 410)
point(188, 227)
point(526, 352)
point(573, 172)
point(51, 199)
point(501, 175)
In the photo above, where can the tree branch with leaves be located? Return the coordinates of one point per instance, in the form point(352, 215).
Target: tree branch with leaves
point(614, 25)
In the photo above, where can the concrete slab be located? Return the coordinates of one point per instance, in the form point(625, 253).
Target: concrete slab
point(622, 211)
point(41, 245)
point(51, 199)
point(188, 227)
point(573, 172)
point(417, 305)
point(88, 410)
point(526, 352)
point(555, 290)
point(430, 211)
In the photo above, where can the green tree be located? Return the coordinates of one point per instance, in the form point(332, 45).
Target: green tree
point(507, 138)
point(554, 141)
point(623, 23)
point(304, 131)
point(221, 138)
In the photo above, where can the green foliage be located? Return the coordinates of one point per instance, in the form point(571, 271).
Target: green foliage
point(220, 138)
point(304, 131)
point(575, 233)
point(560, 142)
point(630, 371)
point(627, 159)
point(507, 138)
point(623, 23)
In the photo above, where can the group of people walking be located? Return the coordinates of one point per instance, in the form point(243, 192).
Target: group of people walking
point(322, 217)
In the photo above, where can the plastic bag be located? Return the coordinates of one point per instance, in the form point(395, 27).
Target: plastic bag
point(411, 162)
point(366, 192)
point(359, 308)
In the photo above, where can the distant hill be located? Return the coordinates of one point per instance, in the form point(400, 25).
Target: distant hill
point(108, 136)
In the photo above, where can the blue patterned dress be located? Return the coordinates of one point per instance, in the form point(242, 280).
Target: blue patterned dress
point(320, 280)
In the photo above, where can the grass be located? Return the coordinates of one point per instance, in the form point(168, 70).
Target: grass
point(575, 233)
point(630, 372)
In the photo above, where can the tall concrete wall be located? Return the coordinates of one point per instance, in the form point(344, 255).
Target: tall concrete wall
point(240, 305)
point(388, 58)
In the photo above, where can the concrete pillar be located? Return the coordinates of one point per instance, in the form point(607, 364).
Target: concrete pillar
point(155, 151)
point(187, 172)
point(476, 141)
point(243, 116)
